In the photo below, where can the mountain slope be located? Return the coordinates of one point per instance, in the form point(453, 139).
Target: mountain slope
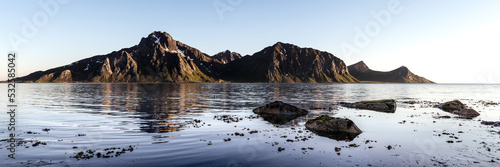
point(400, 75)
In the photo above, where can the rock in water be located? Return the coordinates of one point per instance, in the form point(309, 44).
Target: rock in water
point(335, 128)
point(454, 105)
point(388, 105)
point(279, 113)
point(457, 107)
point(496, 124)
point(468, 113)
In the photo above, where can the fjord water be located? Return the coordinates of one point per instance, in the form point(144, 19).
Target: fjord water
point(191, 124)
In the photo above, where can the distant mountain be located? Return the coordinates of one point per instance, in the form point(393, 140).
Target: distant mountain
point(227, 56)
point(160, 58)
point(400, 75)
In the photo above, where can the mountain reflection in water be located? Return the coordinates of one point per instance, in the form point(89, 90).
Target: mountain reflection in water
point(213, 124)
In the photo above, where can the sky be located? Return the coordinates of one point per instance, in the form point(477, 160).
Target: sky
point(448, 41)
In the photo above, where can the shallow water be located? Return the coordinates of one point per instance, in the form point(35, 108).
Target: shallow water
point(191, 124)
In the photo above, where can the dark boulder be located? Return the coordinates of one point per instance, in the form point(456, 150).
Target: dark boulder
point(442, 117)
point(492, 123)
point(279, 113)
point(454, 105)
point(457, 107)
point(335, 128)
point(388, 105)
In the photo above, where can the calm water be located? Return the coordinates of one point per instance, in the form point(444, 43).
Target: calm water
point(191, 124)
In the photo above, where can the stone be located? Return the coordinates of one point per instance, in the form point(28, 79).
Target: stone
point(452, 106)
point(388, 105)
point(335, 128)
point(279, 113)
point(492, 123)
point(469, 113)
point(457, 107)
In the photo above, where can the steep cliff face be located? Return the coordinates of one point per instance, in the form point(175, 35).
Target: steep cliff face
point(400, 75)
point(289, 63)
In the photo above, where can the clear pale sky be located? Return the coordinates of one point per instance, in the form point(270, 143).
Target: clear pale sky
point(449, 41)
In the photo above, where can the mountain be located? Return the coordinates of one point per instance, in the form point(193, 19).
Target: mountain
point(157, 58)
point(400, 75)
point(160, 58)
point(227, 56)
point(288, 63)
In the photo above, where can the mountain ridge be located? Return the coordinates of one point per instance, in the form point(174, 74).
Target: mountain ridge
point(399, 75)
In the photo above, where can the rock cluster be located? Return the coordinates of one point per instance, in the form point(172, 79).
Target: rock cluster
point(336, 128)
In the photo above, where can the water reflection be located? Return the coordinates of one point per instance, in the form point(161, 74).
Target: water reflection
point(107, 113)
point(167, 107)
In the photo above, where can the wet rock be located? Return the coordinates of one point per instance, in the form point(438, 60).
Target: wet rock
point(468, 113)
point(452, 106)
point(497, 124)
point(279, 113)
point(388, 105)
point(457, 107)
point(442, 117)
point(38, 143)
point(334, 128)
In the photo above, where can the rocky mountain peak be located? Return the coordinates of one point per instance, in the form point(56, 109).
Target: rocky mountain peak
point(278, 44)
point(159, 39)
point(360, 66)
point(403, 68)
point(227, 56)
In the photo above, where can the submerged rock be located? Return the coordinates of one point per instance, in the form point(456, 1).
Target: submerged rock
point(468, 113)
point(457, 107)
point(442, 117)
point(279, 113)
point(497, 124)
point(335, 128)
point(388, 105)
